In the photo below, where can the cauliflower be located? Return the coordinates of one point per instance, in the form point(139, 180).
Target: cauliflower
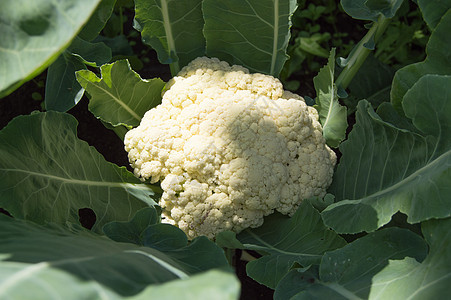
point(229, 148)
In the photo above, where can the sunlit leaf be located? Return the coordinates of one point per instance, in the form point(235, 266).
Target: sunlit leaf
point(120, 97)
point(332, 115)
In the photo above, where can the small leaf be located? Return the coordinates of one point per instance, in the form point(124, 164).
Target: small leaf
point(348, 273)
point(332, 115)
point(371, 9)
point(120, 97)
point(93, 54)
point(438, 61)
point(98, 20)
point(33, 35)
point(386, 168)
point(132, 231)
point(305, 239)
point(62, 91)
point(321, 203)
point(253, 33)
point(409, 279)
point(173, 29)
point(47, 174)
point(51, 262)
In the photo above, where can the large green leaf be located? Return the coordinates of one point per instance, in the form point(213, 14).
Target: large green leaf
point(120, 97)
point(409, 279)
point(332, 115)
point(433, 11)
point(301, 239)
point(173, 28)
point(348, 273)
point(62, 91)
point(33, 35)
point(385, 168)
point(252, 33)
point(371, 9)
point(438, 61)
point(51, 262)
point(47, 174)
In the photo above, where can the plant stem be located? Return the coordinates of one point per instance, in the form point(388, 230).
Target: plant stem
point(360, 52)
point(230, 255)
point(175, 68)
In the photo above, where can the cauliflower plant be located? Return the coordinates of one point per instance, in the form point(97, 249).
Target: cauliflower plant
point(229, 148)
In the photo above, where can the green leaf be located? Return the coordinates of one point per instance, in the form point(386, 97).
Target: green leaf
point(348, 273)
point(173, 28)
point(214, 284)
point(120, 97)
point(433, 11)
point(98, 20)
point(47, 174)
point(305, 239)
point(132, 231)
point(48, 262)
point(62, 91)
point(252, 33)
point(409, 279)
point(119, 45)
point(90, 53)
point(389, 115)
point(438, 61)
point(332, 115)
point(385, 168)
point(321, 203)
point(371, 9)
point(33, 35)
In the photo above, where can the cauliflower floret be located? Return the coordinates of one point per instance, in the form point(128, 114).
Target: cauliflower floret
point(229, 148)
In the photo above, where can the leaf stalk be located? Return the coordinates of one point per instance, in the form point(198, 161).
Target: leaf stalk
point(359, 54)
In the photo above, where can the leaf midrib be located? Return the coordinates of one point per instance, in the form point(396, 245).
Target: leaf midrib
point(118, 100)
point(80, 181)
point(275, 36)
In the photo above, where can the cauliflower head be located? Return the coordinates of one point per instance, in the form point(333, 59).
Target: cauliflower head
point(229, 148)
